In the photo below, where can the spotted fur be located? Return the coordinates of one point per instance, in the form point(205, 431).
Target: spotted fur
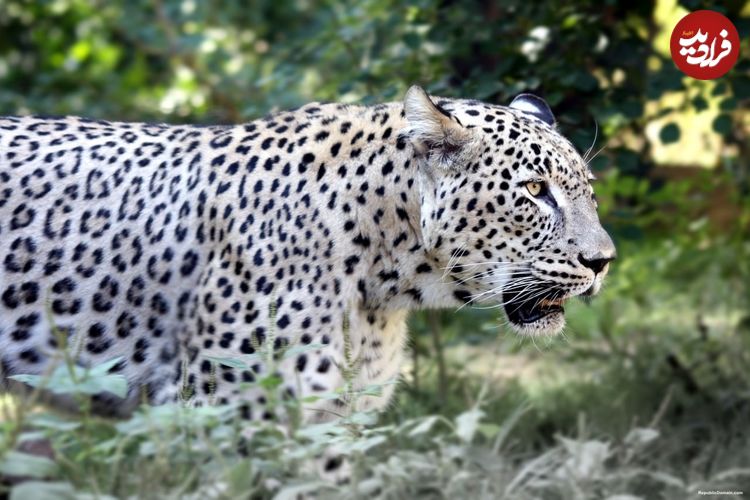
point(172, 246)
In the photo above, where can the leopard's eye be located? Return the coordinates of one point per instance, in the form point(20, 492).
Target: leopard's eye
point(536, 188)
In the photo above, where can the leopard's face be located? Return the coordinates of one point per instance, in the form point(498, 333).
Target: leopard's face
point(508, 209)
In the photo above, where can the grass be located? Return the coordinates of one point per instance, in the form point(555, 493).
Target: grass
point(548, 442)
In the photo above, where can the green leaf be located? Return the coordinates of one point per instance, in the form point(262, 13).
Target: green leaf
point(722, 124)
point(728, 104)
point(103, 368)
point(44, 490)
point(32, 380)
point(489, 430)
point(700, 103)
point(669, 133)
point(720, 89)
point(271, 382)
point(570, 21)
point(364, 445)
point(425, 425)
point(640, 436)
point(363, 418)
point(320, 431)
point(233, 362)
point(17, 463)
point(586, 81)
point(741, 87)
point(80, 380)
point(632, 108)
point(412, 40)
point(53, 422)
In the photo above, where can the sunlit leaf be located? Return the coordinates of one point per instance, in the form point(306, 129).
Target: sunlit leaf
point(467, 424)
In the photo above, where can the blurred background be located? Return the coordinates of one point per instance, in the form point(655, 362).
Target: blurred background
point(661, 359)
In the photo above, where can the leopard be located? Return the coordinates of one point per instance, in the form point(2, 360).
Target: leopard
point(205, 258)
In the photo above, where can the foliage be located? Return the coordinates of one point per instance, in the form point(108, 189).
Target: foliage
point(173, 451)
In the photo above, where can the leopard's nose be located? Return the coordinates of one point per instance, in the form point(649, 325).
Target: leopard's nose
point(596, 262)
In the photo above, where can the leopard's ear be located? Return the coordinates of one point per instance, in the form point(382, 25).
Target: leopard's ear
point(431, 128)
point(535, 106)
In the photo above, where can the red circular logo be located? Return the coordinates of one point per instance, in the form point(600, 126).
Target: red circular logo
point(705, 45)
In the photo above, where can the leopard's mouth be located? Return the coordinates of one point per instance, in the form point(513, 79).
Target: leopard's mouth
point(534, 312)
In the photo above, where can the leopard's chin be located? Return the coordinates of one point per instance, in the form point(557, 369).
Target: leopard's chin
point(535, 316)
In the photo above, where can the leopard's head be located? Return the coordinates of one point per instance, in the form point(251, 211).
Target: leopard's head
point(507, 207)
